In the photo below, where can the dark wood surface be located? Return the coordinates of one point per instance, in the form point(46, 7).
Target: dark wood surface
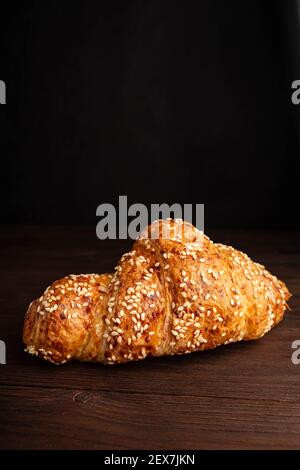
point(245, 395)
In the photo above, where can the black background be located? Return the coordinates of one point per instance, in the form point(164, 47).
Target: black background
point(163, 101)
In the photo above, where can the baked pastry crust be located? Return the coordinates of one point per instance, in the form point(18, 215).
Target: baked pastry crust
point(167, 296)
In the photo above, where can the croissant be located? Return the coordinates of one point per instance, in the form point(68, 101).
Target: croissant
point(169, 295)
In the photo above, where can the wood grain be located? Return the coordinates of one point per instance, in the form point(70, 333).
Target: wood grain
point(245, 395)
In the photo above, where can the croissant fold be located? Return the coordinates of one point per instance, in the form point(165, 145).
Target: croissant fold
point(169, 295)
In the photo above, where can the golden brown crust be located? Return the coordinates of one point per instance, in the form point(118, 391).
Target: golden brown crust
point(167, 296)
point(67, 320)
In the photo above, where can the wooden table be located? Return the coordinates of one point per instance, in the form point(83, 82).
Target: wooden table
point(244, 395)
